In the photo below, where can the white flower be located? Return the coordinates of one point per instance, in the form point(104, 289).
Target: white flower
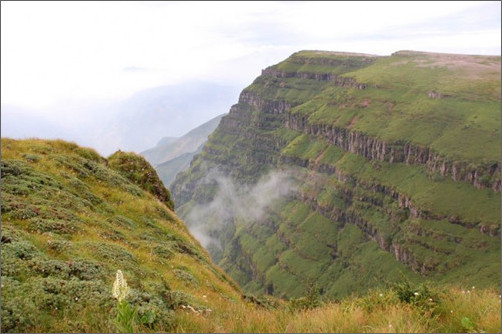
point(120, 289)
point(381, 295)
point(416, 293)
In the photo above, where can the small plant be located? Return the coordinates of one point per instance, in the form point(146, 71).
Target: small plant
point(125, 314)
point(310, 301)
point(468, 325)
point(422, 296)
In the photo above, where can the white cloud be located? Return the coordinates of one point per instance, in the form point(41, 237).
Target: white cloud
point(53, 51)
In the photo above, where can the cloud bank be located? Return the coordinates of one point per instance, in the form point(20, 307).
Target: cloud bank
point(236, 204)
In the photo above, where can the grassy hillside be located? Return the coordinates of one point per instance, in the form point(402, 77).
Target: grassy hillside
point(397, 164)
point(71, 219)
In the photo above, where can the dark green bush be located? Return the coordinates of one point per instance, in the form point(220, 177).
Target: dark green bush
point(86, 269)
point(62, 227)
point(185, 276)
point(31, 157)
point(110, 252)
point(59, 245)
point(174, 299)
point(165, 250)
point(422, 296)
point(310, 301)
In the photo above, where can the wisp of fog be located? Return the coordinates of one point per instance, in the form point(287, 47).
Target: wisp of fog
point(236, 203)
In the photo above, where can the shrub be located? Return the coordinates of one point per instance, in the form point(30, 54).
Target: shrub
point(174, 299)
point(422, 297)
point(59, 245)
point(110, 252)
point(86, 269)
point(31, 157)
point(42, 225)
point(310, 301)
point(185, 276)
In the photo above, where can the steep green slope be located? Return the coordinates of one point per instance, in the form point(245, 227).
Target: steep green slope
point(71, 219)
point(170, 148)
point(168, 170)
point(397, 162)
point(172, 156)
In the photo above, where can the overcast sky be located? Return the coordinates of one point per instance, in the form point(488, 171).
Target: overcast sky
point(55, 52)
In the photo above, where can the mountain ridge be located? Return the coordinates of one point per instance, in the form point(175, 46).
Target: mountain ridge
point(388, 150)
point(171, 157)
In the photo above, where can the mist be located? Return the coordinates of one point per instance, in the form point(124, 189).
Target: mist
point(236, 204)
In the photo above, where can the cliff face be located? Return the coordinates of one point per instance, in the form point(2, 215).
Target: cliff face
point(389, 177)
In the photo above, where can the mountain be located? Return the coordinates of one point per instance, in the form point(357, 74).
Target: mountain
point(71, 219)
point(169, 148)
point(350, 171)
point(166, 140)
point(132, 123)
point(173, 155)
point(168, 170)
point(140, 120)
point(26, 123)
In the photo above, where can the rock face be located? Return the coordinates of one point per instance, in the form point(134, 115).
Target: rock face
point(484, 175)
point(392, 177)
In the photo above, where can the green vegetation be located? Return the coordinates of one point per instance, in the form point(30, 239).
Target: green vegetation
point(433, 310)
point(137, 170)
point(362, 214)
point(363, 243)
point(69, 221)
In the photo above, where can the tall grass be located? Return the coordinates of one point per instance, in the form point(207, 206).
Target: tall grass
point(380, 311)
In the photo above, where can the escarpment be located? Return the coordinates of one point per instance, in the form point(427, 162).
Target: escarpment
point(389, 181)
point(484, 175)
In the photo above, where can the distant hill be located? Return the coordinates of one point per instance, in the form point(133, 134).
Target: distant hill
point(26, 123)
point(133, 123)
point(173, 155)
point(168, 170)
point(166, 140)
point(169, 148)
point(171, 111)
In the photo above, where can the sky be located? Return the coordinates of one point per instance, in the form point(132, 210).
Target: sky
point(55, 54)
